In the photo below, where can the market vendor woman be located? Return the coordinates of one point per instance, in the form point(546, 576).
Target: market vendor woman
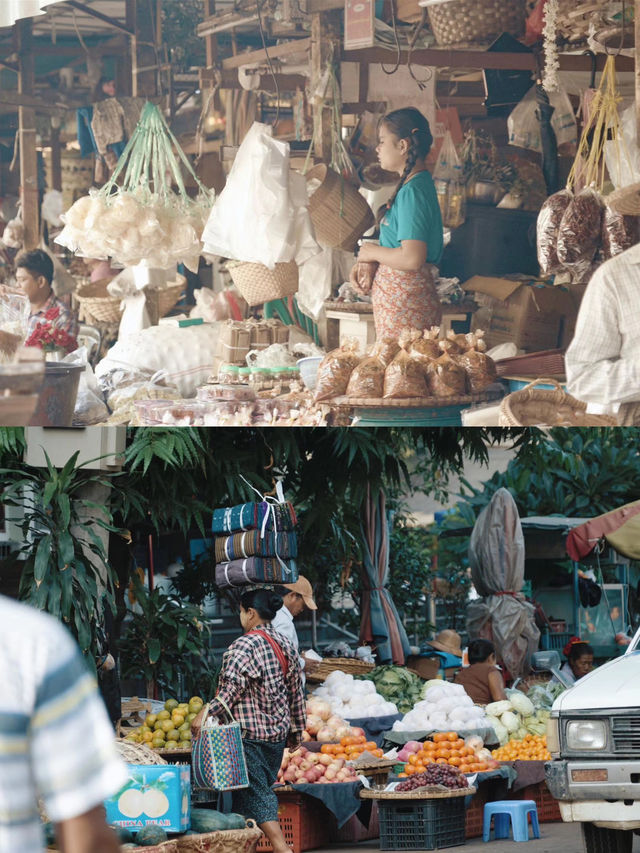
point(482, 679)
point(260, 682)
point(411, 237)
point(579, 661)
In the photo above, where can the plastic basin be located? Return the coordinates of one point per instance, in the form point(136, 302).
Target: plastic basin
point(58, 396)
point(309, 370)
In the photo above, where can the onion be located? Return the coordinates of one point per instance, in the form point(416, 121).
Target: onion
point(323, 709)
point(325, 735)
point(314, 724)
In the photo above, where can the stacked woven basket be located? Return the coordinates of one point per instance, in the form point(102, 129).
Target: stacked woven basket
point(475, 21)
point(97, 305)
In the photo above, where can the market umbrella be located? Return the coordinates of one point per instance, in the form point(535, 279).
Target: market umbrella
point(496, 556)
point(14, 10)
point(380, 624)
point(620, 527)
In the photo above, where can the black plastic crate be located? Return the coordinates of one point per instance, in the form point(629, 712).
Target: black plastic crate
point(422, 824)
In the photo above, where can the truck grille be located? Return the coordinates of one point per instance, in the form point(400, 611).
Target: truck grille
point(625, 732)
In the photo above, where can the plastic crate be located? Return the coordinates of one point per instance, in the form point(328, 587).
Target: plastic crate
point(555, 640)
point(547, 805)
point(475, 815)
point(422, 824)
point(354, 831)
point(304, 821)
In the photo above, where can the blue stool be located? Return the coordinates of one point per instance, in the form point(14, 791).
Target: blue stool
point(516, 811)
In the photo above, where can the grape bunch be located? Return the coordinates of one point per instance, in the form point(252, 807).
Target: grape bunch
point(435, 774)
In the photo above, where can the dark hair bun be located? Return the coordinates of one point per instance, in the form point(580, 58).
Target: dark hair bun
point(275, 603)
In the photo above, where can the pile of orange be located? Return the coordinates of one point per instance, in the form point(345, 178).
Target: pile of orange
point(351, 747)
point(530, 748)
point(445, 748)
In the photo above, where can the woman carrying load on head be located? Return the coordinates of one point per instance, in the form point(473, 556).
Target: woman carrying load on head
point(260, 682)
point(411, 237)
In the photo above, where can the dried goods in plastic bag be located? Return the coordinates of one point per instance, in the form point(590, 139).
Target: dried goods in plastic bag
point(479, 367)
point(425, 346)
point(405, 377)
point(386, 349)
point(446, 377)
point(580, 228)
point(367, 380)
point(335, 370)
point(619, 232)
point(547, 228)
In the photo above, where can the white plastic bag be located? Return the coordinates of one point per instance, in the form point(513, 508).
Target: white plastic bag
point(261, 214)
point(90, 408)
point(524, 128)
point(622, 157)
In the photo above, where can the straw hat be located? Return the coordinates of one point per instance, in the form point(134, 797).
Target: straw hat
point(447, 641)
point(303, 588)
point(625, 200)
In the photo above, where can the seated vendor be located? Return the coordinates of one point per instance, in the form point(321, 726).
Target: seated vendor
point(34, 274)
point(579, 661)
point(482, 679)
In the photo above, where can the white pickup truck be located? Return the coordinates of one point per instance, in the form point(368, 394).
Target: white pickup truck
point(594, 738)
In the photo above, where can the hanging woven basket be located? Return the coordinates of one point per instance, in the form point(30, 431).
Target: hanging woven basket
point(258, 284)
point(476, 21)
point(340, 215)
point(548, 407)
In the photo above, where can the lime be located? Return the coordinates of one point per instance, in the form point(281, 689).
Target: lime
point(185, 744)
point(178, 719)
point(164, 715)
point(170, 704)
point(173, 734)
point(150, 720)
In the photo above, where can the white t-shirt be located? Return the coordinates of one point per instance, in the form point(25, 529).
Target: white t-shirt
point(283, 624)
point(56, 740)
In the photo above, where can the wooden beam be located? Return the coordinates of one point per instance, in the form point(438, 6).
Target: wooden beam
point(326, 45)
point(27, 137)
point(146, 20)
point(313, 7)
point(95, 14)
point(229, 80)
point(10, 66)
point(16, 99)
point(225, 21)
point(56, 160)
point(290, 48)
point(447, 58)
point(210, 41)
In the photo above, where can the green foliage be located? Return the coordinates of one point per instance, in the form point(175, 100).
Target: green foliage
point(165, 641)
point(180, 19)
point(12, 445)
point(410, 554)
point(65, 571)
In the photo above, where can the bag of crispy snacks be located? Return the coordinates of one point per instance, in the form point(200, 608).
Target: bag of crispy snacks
point(386, 349)
point(405, 376)
point(619, 232)
point(367, 380)
point(480, 369)
point(547, 229)
point(580, 229)
point(334, 371)
point(446, 378)
point(425, 345)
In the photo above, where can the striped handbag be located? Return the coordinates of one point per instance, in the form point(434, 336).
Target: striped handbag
point(218, 755)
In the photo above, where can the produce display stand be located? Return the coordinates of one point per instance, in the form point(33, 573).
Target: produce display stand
point(420, 819)
point(414, 411)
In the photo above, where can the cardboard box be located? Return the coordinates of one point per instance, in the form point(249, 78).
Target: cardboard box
point(532, 314)
point(154, 794)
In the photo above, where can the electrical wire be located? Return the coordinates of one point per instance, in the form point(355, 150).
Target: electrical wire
point(270, 64)
point(422, 84)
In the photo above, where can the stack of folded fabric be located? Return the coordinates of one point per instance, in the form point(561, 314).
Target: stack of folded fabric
point(255, 543)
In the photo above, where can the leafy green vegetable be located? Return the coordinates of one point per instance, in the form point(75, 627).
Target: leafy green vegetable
point(397, 685)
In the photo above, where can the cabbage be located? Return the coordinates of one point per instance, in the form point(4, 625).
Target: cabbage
point(497, 709)
point(521, 703)
point(509, 720)
point(500, 731)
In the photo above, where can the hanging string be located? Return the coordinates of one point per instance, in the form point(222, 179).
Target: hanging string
point(397, 39)
point(412, 41)
point(270, 64)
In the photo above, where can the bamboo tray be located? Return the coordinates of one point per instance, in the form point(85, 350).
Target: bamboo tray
point(351, 307)
point(416, 402)
point(350, 665)
point(418, 794)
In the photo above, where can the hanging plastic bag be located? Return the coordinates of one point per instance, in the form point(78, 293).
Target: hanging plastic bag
point(523, 125)
point(621, 153)
point(90, 408)
point(261, 215)
point(450, 185)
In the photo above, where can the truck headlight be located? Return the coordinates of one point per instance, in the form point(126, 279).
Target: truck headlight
point(585, 735)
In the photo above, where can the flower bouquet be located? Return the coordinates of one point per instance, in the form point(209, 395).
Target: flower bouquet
point(51, 338)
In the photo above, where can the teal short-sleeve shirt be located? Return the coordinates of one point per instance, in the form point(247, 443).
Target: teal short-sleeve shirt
point(415, 215)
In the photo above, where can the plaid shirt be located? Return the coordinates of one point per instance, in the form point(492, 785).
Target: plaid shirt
point(603, 360)
point(65, 320)
point(253, 686)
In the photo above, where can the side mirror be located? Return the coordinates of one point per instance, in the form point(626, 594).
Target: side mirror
point(550, 662)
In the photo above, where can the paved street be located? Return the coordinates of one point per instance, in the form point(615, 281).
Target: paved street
point(555, 837)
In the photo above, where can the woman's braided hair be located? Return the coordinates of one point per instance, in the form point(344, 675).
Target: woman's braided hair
point(410, 124)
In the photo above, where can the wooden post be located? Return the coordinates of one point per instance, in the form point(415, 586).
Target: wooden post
point(27, 138)
point(325, 36)
point(210, 41)
point(56, 160)
point(145, 18)
point(637, 68)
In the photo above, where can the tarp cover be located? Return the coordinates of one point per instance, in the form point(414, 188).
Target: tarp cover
point(496, 556)
point(620, 527)
point(15, 10)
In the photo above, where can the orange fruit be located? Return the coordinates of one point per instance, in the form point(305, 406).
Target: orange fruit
point(452, 736)
point(441, 761)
